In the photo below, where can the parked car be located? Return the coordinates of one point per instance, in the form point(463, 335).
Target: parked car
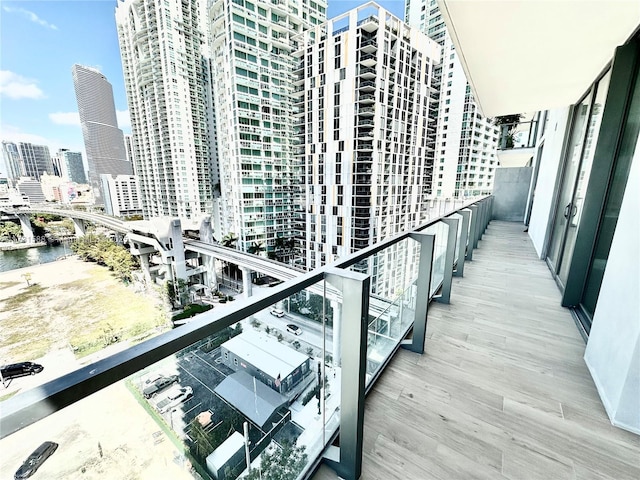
point(276, 312)
point(35, 460)
point(160, 383)
point(296, 330)
point(20, 369)
point(175, 398)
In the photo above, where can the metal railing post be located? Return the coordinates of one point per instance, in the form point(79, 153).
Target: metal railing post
point(449, 259)
point(473, 231)
point(423, 287)
point(462, 248)
point(346, 460)
point(483, 214)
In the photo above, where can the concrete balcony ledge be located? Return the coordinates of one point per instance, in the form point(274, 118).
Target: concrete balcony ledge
point(502, 390)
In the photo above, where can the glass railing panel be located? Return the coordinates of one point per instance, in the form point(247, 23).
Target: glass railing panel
point(458, 217)
point(303, 324)
point(393, 272)
point(388, 325)
point(440, 230)
point(192, 413)
point(115, 433)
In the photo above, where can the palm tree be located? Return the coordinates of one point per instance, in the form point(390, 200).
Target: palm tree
point(255, 248)
point(229, 240)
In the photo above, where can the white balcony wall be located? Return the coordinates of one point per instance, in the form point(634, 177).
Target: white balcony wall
point(613, 350)
point(548, 177)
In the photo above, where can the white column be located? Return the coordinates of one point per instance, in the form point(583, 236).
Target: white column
point(27, 231)
point(246, 281)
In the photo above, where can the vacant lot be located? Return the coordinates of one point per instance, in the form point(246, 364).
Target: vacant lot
point(73, 305)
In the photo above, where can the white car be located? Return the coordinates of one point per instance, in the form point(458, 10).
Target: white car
point(276, 312)
point(175, 398)
point(296, 330)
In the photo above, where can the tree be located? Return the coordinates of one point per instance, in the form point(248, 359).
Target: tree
point(508, 125)
point(229, 240)
point(27, 277)
point(255, 248)
point(10, 232)
point(202, 445)
point(281, 464)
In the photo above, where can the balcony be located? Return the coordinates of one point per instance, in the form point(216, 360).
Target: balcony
point(502, 390)
point(493, 386)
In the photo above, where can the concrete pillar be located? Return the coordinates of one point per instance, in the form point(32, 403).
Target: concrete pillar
point(79, 227)
point(210, 277)
point(246, 281)
point(144, 265)
point(177, 250)
point(27, 230)
point(206, 230)
point(337, 332)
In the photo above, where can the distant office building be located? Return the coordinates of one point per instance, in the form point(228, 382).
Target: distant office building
point(13, 162)
point(164, 51)
point(252, 67)
point(103, 140)
point(30, 188)
point(466, 142)
point(365, 131)
point(25, 159)
point(70, 166)
point(121, 195)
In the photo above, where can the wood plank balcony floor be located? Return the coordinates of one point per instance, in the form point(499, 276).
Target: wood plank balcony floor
point(502, 390)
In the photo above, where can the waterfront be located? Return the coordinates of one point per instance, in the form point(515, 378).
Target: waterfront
point(13, 259)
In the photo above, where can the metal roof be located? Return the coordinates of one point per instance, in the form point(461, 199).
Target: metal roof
point(250, 397)
point(266, 353)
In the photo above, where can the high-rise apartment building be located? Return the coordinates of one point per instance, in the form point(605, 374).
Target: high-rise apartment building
point(103, 140)
point(365, 127)
point(252, 73)
point(163, 44)
point(466, 141)
point(25, 159)
point(121, 195)
point(70, 166)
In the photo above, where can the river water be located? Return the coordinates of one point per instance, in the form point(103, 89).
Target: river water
point(10, 260)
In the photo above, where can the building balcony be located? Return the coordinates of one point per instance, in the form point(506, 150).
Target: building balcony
point(367, 85)
point(368, 59)
point(366, 111)
point(366, 98)
point(494, 385)
point(367, 72)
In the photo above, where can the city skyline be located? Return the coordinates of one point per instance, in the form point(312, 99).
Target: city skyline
point(38, 99)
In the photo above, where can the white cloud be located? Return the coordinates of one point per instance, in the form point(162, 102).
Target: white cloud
point(65, 118)
point(15, 86)
point(124, 121)
point(31, 16)
point(12, 133)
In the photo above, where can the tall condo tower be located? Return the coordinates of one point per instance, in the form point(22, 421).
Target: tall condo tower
point(166, 72)
point(24, 159)
point(71, 166)
point(252, 73)
point(364, 95)
point(466, 142)
point(103, 140)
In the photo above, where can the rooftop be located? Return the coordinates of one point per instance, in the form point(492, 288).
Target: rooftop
point(502, 390)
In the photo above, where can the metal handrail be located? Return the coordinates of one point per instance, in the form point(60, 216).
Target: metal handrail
point(33, 405)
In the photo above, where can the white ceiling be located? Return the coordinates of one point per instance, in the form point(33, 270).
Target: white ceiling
point(529, 55)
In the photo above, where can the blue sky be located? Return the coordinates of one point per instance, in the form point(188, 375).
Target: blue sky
point(39, 43)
